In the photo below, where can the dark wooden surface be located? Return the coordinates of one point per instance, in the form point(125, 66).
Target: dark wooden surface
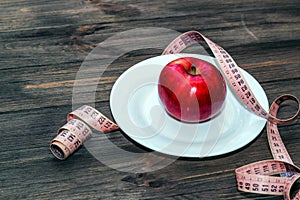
point(42, 45)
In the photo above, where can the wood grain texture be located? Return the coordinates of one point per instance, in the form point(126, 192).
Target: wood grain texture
point(43, 44)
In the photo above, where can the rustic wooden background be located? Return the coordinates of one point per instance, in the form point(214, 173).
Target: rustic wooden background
point(42, 46)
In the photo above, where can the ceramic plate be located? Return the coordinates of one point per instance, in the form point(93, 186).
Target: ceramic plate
point(137, 109)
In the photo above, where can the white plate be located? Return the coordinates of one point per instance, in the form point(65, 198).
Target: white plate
point(137, 109)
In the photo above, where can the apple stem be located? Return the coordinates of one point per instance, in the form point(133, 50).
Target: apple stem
point(194, 69)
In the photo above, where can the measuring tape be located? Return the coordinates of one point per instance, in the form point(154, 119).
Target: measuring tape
point(256, 177)
point(77, 130)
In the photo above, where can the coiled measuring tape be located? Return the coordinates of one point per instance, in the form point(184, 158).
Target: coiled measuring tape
point(256, 177)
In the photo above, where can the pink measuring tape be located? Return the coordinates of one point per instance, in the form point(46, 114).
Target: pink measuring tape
point(256, 177)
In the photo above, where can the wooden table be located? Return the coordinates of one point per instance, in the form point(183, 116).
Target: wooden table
point(43, 44)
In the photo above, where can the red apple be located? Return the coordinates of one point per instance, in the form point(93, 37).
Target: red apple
point(191, 89)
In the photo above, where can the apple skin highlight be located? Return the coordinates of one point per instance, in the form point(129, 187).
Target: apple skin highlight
point(191, 90)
